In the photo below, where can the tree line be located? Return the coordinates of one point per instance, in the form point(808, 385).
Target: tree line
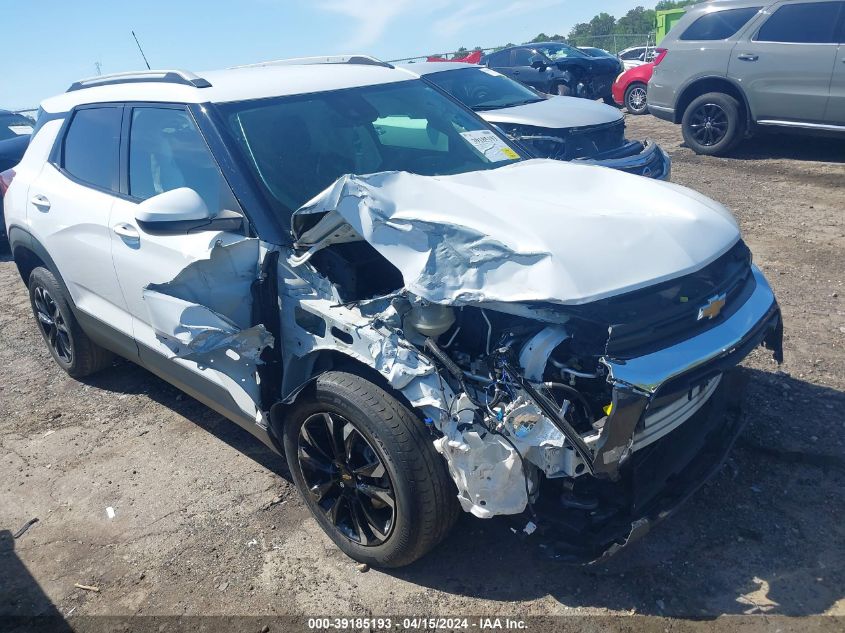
point(638, 21)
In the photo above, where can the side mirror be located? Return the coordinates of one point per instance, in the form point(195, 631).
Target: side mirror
point(177, 205)
point(182, 210)
point(538, 63)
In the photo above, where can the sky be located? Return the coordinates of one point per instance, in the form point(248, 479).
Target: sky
point(46, 45)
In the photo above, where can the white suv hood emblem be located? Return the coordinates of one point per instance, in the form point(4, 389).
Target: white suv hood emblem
point(539, 230)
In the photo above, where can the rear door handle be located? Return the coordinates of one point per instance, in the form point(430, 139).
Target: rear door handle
point(748, 57)
point(41, 202)
point(126, 230)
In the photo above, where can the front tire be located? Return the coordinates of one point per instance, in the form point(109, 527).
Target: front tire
point(70, 347)
point(713, 124)
point(635, 99)
point(368, 472)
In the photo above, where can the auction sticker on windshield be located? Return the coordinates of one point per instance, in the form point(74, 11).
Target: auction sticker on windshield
point(490, 146)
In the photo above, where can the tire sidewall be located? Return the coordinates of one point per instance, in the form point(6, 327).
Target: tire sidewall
point(406, 507)
point(628, 92)
point(735, 125)
point(563, 90)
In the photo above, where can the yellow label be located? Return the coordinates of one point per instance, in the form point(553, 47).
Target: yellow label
point(507, 151)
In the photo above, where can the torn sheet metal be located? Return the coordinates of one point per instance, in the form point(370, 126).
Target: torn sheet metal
point(191, 331)
point(505, 235)
point(203, 309)
point(222, 283)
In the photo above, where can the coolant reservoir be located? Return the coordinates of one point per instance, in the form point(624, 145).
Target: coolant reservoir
point(430, 319)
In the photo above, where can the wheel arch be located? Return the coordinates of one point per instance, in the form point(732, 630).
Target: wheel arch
point(28, 254)
point(300, 375)
point(703, 85)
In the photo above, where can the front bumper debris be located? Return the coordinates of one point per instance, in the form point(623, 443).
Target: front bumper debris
point(641, 474)
point(645, 158)
point(596, 519)
point(681, 369)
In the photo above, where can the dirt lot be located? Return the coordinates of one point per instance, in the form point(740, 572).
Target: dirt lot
point(207, 522)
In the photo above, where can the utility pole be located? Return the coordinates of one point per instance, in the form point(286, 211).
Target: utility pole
point(141, 49)
point(99, 68)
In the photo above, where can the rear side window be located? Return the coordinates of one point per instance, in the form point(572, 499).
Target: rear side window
point(719, 25)
point(166, 151)
point(813, 23)
point(522, 57)
point(91, 146)
point(501, 58)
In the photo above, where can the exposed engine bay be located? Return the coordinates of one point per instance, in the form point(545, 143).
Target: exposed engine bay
point(517, 394)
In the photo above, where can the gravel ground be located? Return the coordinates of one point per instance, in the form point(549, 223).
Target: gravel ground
point(207, 522)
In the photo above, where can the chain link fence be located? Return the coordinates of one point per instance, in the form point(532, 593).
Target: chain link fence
point(610, 43)
point(614, 43)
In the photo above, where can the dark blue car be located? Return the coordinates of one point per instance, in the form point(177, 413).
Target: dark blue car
point(15, 131)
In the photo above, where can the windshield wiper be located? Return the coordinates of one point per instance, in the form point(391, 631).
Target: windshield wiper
point(513, 104)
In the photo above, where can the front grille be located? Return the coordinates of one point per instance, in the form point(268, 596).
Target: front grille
point(662, 315)
point(571, 143)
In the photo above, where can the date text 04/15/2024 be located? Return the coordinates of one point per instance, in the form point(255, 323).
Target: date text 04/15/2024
point(418, 623)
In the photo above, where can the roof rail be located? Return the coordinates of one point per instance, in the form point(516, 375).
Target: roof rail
point(182, 77)
point(363, 60)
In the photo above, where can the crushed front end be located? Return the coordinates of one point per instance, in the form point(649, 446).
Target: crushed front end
point(603, 145)
point(594, 419)
point(611, 437)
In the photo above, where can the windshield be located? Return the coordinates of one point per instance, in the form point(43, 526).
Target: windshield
point(596, 52)
point(14, 125)
point(560, 51)
point(483, 89)
point(297, 146)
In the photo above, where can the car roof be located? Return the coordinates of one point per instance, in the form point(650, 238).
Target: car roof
point(427, 68)
point(235, 84)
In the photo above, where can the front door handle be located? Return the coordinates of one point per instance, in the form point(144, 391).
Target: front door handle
point(126, 230)
point(516, 72)
point(40, 202)
point(748, 57)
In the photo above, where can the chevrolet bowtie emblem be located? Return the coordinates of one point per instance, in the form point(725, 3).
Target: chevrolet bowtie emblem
point(713, 307)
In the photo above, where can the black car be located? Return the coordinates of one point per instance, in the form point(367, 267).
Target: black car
point(557, 68)
point(15, 130)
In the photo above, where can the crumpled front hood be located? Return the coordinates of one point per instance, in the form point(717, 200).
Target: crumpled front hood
point(555, 113)
point(538, 230)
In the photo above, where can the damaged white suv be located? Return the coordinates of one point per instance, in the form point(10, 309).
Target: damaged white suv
point(373, 281)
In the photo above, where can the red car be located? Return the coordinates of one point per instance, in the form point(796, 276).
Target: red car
point(630, 87)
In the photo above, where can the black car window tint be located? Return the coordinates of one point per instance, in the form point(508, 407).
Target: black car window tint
point(522, 56)
point(91, 146)
point(719, 25)
point(813, 23)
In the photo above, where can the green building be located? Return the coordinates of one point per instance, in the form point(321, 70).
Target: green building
point(665, 21)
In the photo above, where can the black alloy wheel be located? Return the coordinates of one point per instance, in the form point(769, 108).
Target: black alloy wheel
point(52, 324)
point(709, 124)
point(713, 124)
point(347, 479)
point(69, 345)
point(366, 467)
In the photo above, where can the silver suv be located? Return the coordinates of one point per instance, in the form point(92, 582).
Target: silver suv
point(730, 66)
